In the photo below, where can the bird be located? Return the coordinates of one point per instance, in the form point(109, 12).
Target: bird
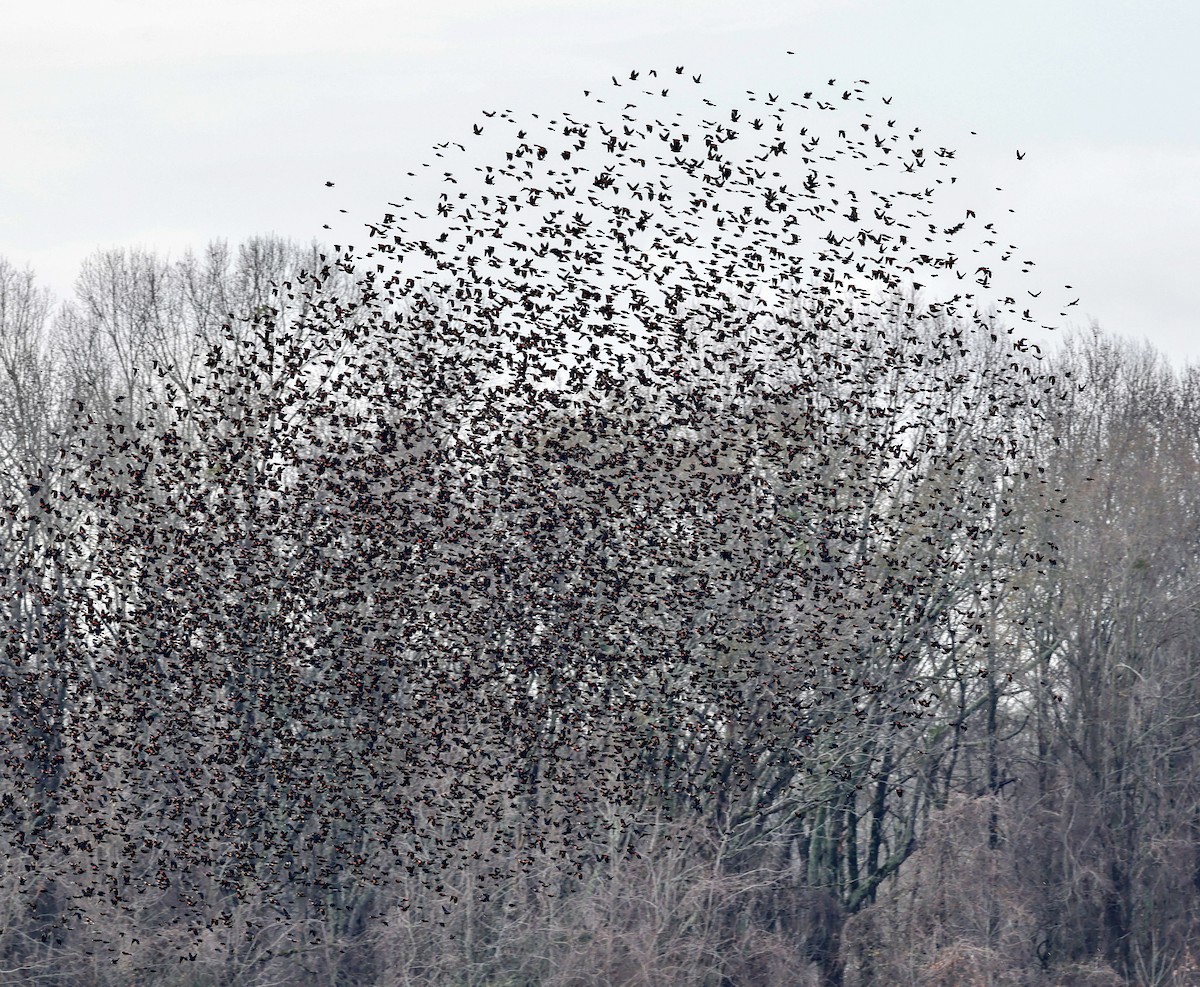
point(617, 479)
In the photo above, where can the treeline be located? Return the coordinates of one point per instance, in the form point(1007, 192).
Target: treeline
point(327, 660)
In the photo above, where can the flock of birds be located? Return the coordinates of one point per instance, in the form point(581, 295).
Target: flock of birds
point(577, 476)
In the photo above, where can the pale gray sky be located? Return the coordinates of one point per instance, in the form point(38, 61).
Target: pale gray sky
point(167, 124)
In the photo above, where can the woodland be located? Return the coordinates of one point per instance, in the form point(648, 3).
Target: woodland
point(636, 579)
point(251, 738)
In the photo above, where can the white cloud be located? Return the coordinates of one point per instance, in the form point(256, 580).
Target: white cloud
point(86, 34)
point(1118, 222)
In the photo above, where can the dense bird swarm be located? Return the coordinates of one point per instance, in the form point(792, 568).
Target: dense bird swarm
point(626, 477)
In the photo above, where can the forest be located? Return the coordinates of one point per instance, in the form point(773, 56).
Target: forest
point(402, 687)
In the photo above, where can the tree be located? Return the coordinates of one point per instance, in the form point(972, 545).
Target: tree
point(1116, 714)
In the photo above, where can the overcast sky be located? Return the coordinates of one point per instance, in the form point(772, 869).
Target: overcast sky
point(165, 125)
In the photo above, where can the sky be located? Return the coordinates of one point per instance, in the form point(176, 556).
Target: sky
point(164, 126)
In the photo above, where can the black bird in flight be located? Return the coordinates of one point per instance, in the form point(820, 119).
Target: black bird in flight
point(581, 453)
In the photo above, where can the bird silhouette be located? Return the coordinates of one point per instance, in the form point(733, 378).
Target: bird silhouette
point(611, 481)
